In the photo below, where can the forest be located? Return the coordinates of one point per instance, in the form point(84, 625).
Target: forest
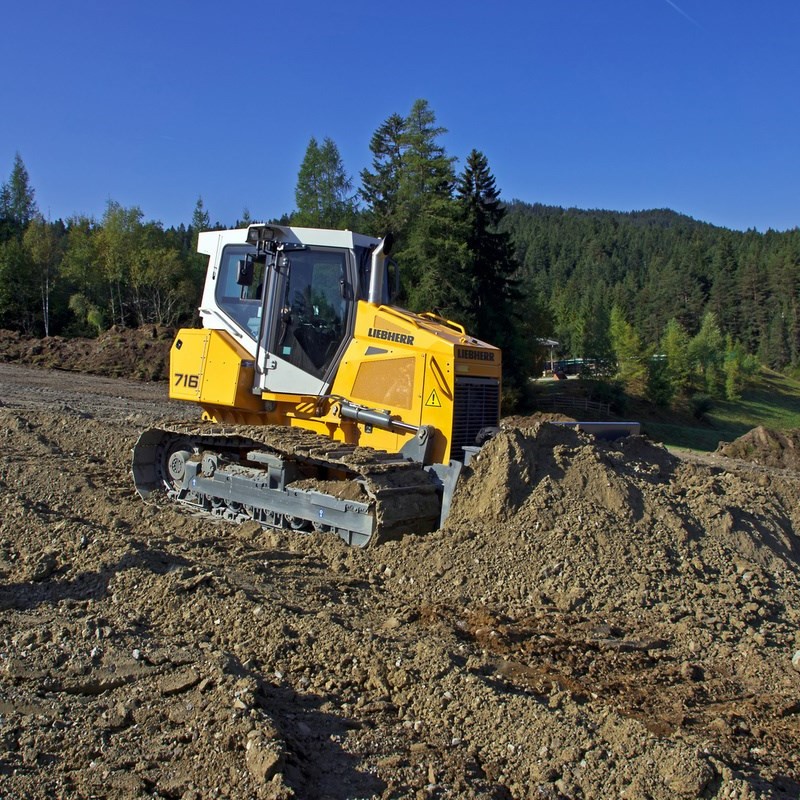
point(665, 305)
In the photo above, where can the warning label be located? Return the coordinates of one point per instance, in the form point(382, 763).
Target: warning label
point(433, 400)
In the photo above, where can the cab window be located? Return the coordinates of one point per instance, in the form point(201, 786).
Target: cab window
point(313, 314)
point(241, 303)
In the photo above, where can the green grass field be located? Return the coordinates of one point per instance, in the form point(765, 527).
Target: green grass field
point(772, 400)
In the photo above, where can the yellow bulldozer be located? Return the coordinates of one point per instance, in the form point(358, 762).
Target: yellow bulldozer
point(324, 406)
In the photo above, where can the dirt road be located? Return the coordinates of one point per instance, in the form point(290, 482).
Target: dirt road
point(593, 622)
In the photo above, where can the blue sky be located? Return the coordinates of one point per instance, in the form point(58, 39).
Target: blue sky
point(616, 104)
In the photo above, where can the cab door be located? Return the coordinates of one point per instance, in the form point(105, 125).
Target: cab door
point(310, 320)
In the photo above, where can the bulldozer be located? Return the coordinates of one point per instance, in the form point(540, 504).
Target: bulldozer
point(324, 406)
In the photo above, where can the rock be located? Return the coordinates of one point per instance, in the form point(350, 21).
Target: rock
point(264, 758)
point(178, 682)
point(691, 672)
point(43, 567)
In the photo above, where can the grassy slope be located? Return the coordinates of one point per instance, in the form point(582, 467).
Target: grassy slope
point(772, 401)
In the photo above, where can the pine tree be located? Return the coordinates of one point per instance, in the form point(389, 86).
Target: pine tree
point(423, 210)
point(17, 203)
point(593, 325)
point(628, 351)
point(323, 188)
point(675, 351)
point(18, 290)
point(488, 275)
point(200, 219)
point(196, 262)
point(380, 188)
point(722, 297)
point(427, 169)
point(412, 177)
point(707, 354)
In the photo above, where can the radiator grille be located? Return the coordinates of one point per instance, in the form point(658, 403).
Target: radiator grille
point(476, 405)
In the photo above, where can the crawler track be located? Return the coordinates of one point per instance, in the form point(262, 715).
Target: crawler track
point(287, 478)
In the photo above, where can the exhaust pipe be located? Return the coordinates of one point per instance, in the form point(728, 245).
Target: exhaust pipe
point(377, 271)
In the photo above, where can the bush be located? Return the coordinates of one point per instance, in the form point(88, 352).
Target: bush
point(701, 404)
point(610, 392)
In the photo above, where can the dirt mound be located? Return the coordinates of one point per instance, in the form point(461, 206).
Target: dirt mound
point(767, 447)
point(621, 528)
point(135, 353)
point(595, 620)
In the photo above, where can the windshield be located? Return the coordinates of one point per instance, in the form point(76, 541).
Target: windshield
point(241, 303)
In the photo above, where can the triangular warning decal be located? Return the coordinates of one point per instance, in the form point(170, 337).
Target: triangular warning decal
point(433, 400)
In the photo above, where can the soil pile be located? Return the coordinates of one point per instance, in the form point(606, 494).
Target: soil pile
point(136, 353)
point(766, 447)
point(595, 620)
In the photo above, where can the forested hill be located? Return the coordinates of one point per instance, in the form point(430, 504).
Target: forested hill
point(655, 266)
point(651, 218)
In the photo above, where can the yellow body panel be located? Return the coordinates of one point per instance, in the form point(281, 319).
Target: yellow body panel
point(397, 362)
point(209, 367)
point(406, 365)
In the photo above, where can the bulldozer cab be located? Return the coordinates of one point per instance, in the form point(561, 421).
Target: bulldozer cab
point(290, 301)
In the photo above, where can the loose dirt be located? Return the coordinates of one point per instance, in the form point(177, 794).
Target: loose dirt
point(594, 621)
point(764, 446)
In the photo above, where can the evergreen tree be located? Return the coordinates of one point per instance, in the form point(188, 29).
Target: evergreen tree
point(593, 324)
point(17, 203)
point(380, 188)
point(629, 353)
point(675, 352)
point(437, 241)
point(201, 221)
point(707, 354)
point(489, 289)
point(408, 192)
point(323, 188)
point(196, 262)
point(18, 290)
point(752, 296)
point(427, 169)
point(722, 297)
point(774, 345)
point(424, 208)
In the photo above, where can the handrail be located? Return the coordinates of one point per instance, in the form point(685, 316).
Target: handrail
point(427, 315)
point(450, 324)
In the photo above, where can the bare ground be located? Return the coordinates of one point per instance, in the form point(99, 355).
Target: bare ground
point(594, 621)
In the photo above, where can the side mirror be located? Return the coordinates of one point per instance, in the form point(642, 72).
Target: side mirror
point(244, 272)
point(345, 290)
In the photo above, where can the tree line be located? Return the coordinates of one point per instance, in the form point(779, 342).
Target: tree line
point(80, 276)
point(667, 305)
point(667, 281)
